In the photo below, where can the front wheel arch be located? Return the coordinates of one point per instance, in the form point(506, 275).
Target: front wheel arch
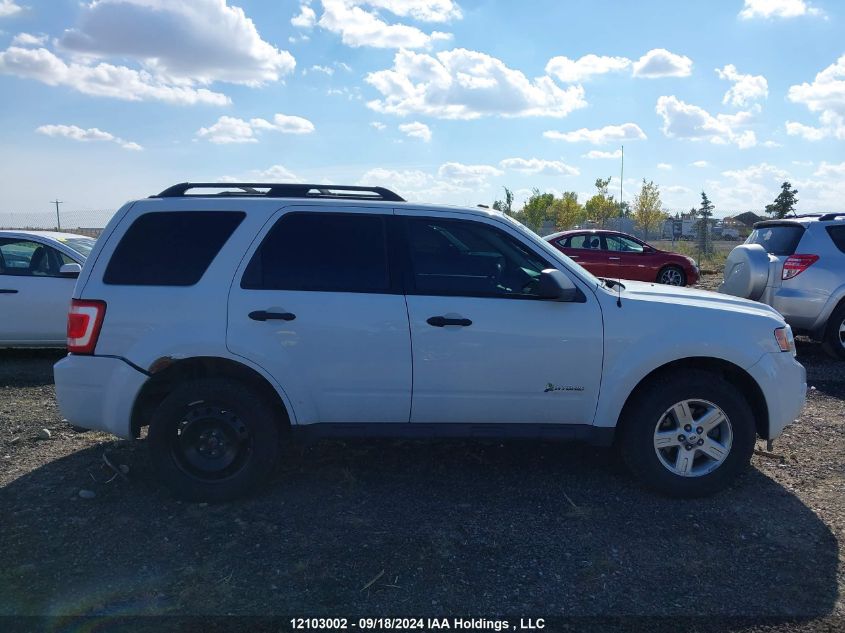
point(731, 372)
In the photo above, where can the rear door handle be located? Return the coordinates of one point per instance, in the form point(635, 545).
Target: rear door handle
point(263, 315)
point(8, 291)
point(440, 321)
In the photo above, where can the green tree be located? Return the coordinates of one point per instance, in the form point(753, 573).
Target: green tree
point(567, 210)
point(785, 202)
point(648, 209)
point(506, 205)
point(601, 207)
point(705, 211)
point(536, 210)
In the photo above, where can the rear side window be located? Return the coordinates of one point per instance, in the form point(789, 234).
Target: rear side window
point(171, 248)
point(837, 234)
point(780, 239)
point(329, 252)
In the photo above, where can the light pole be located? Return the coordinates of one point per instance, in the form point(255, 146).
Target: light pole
point(57, 202)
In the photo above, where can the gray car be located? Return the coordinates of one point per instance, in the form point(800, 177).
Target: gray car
point(797, 266)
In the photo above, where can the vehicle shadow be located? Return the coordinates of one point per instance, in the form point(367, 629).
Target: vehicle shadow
point(390, 528)
point(24, 367)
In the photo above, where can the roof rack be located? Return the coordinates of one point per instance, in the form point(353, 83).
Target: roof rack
point(827, 217)
point(282, 190)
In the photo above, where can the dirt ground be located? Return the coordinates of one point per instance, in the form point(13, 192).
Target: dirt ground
point(414, 528)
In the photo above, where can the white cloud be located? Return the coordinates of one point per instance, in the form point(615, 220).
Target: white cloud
point(28, 39)
point(807, 132)
point(776, 8)
point(378, 125)
point(771, 144)
point(467, 175)
point(416, 130)
point(76, 133)
point(686, 121)
point(664, 166)
point(574, 71)
point(659, 62)
point(9, 7)
point(102, 80)
point(359, 27)
point(451, 181)
point(830, 169)
point(825, 96)
point(595, 153)
point(305, 19)
point(700, 164)
point(229, 129)
point(539, 166)
point(422, 10)
point(600, 136)
point(464, 84)
point(746, 88)
point(326, 70)
point(277, 173)
point(752, 187)
point(198, 41)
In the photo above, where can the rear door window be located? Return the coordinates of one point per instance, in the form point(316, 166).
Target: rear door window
point(170, 248)
point(777, 239)
point(837, 234)
point(329, 252)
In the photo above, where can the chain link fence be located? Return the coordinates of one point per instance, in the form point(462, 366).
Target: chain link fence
point(82, 222)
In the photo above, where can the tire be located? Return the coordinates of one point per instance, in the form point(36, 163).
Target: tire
point(834, 336)
point(648, 413)
point(214, 440)
point(672, 276)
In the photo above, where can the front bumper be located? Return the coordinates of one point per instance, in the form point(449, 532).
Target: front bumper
point(98, 392)
point(783, 381)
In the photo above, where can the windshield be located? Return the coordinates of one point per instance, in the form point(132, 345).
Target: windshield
point(81, 245)
point(553, 252)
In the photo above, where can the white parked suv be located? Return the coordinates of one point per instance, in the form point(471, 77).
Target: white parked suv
point(223, 316)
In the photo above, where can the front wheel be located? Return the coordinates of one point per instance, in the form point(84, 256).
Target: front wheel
point(688, 435)
point(213, 439)
point(672, 276)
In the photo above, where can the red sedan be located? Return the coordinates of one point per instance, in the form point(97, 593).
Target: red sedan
point(613, 254)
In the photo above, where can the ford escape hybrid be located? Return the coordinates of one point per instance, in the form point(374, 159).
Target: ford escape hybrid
point(222, 316)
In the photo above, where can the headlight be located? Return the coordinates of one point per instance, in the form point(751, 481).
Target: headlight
point(785, 340)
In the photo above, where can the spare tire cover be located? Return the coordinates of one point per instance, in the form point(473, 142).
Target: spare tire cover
point(746, 272)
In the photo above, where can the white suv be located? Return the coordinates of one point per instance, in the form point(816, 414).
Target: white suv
point(224, 316)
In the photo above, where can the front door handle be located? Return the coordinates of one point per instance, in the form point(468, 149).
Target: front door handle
point(440, 321)
point(8, 291)
point(614, 259)
point(263, 315)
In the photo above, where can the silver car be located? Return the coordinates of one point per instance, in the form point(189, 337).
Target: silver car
point(797, 266)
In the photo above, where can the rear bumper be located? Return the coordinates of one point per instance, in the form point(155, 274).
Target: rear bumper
point(783, 381)
point(98, 392)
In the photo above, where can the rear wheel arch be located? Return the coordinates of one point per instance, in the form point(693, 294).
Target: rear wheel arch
point(166, 374)
point(732, 373)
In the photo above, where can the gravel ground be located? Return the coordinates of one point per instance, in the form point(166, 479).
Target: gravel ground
point(439, 528)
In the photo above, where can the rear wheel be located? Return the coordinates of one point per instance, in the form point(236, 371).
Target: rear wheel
point(672, 276)
point(687, 435)
point(834, 338)
point(213, 440)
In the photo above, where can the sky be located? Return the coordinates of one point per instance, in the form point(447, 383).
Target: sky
point(442, 101)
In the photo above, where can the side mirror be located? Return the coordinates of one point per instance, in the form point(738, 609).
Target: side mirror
point(556, 286)
point(71, 270)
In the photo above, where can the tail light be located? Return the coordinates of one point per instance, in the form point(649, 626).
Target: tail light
point(84, 321)
point(797, 264)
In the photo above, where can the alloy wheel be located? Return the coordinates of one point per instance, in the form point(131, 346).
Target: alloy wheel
point(671, 277)
point(693, 438)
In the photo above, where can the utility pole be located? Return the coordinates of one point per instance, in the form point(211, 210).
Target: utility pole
point(57, 202)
